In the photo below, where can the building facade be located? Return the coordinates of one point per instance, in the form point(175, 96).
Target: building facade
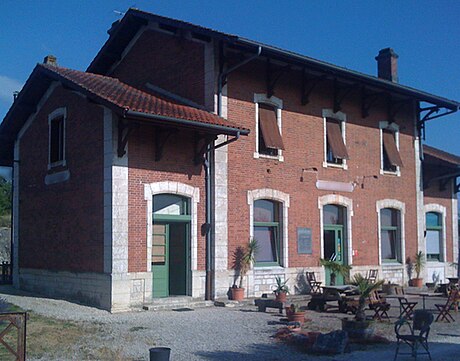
point(141, 177)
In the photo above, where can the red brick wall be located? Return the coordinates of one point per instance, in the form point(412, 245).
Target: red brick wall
point(176, 165)
point(167, 61)
point(61, 225)
point(302, 128)
point(443, 197)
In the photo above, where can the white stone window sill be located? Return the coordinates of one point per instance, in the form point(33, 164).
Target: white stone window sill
point(57, 177)
point(343, 166)
point(386, 172)
point(279, 158)
point(391, 265)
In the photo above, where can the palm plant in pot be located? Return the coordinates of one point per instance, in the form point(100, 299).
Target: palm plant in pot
point(335, 268)
point(419, 263)
point(281, 289)
point(295, 314)
point(360, 327)
point(242, 261)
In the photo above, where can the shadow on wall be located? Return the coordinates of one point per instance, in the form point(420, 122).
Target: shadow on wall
point(301, 287)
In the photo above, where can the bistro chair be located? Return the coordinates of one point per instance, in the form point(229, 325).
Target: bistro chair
point(421, 322)
point(371, 275)
point(379, 306)
point(406, 307)
point(315, 286)
point(444, 309)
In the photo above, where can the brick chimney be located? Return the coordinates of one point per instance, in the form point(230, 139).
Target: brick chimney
point(387, 65)
point(50, 60)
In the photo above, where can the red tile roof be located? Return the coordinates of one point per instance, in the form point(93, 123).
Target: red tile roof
point(125, 97)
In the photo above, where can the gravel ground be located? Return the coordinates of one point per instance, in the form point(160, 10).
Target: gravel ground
point(216, 333)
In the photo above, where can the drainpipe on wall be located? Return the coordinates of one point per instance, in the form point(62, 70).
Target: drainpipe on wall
point(208, 163)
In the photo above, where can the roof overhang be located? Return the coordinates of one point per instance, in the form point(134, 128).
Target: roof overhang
point(134, 19)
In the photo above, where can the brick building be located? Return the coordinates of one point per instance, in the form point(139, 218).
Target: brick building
point(140, 177)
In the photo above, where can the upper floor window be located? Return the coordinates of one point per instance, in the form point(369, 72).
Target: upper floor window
point(268, 127)
point(56, 122)
point(336, 151)
point(390, 234)
point(433, 236)
point(267, 232)
point(390, 157)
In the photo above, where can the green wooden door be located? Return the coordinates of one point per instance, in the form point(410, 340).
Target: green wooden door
point(160, 260)
point(178, 257)
point(334, 250)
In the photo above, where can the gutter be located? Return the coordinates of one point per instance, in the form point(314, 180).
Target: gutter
point(208, 166)
point(184, 122)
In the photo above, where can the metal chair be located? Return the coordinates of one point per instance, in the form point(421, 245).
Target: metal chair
point(422, 320)
point(406, 307)
point(444, 309)
point(315, 286)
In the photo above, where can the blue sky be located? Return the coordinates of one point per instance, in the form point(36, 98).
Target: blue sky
point(425, 34)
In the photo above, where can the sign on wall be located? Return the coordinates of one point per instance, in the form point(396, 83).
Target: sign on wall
point(304, 245)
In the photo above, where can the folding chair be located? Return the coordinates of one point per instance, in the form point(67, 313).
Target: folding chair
point(371, 275)
point(315, 286)
point(422, 321)
point(444, 309)
point(379, 306)
point(406, 307)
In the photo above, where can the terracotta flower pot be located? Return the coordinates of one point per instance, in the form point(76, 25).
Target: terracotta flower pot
point(281, 297)
point(237, 294)
point(296, 316)
point(417, 282)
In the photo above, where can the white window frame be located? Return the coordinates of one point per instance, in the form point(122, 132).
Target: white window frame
point(401, 207)
point(342, 119)
point(394, 128)
point(277, 103)
point(57, 113)
point(283, 199)
point(437, 208)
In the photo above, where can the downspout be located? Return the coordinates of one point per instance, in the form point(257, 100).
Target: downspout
point(208, 164)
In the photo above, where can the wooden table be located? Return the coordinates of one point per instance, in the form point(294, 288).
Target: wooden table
point(331, 293)
point(425, 295)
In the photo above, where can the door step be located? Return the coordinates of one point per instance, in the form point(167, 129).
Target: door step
point(179, 303)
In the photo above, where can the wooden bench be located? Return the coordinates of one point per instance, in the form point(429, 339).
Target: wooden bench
point(263, 304)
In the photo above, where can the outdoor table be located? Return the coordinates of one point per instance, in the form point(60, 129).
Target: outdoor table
point(331, 293)
point(425, 295)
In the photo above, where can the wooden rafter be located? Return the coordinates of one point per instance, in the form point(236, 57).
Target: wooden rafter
point(202, 143)
point(162, 136)
point(124, 131)
point(308, 85)
point(273, 75)
point(340, 93)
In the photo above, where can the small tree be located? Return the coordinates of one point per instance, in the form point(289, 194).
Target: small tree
point(365, 289)
point(419, 263)
point(243, 258)
point(5, 196)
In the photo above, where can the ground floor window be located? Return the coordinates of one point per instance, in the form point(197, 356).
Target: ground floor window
point(267, 232)
point(433, 236)
point(390, 233)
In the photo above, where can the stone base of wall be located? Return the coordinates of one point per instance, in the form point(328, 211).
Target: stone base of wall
point(130, 289)
point(394, 274)
point(88, 288)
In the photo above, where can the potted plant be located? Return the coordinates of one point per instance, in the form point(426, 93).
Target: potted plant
point(242, 261)
point(295, 314)
point(360, 327)
point(281, 289)
point(336, 268)
point(419, 263)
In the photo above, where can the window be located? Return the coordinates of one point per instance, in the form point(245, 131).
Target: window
point(171, 205)
point(267, 231)
point(433, 236)
point(390, 157)
point(56, 121)
point(336, 151)
point(269, 143)
point(390, 234)
point(270, 140)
